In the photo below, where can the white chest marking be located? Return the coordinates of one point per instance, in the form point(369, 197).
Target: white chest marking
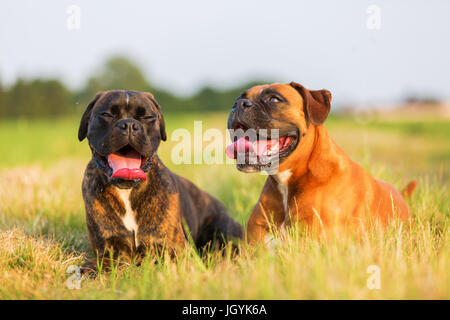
point(129, 219)
point(282, 179)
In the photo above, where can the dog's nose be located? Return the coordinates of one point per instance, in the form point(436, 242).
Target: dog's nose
point(244, 103)
point(129, 126)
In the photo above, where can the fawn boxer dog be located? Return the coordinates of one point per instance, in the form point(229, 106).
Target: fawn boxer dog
point(315, 183)
point(133, 202)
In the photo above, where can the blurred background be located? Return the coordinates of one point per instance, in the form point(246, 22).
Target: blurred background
point(386, 63)
point(198, 55)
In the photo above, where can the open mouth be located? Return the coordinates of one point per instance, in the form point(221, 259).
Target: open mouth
point(263, 150)
point(126, 163)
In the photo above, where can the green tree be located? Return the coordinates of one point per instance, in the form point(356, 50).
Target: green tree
point(116, 73)
point(2, 101)
point(50, 98)
point(38, 98)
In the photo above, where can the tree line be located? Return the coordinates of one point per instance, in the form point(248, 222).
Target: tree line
point(44, 98)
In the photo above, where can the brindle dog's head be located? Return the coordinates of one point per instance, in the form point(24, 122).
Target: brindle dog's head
point(290, 108)
point(124, 129)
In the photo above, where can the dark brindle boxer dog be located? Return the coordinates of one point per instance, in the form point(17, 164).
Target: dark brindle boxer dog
point(133, 202)
point(316, 181)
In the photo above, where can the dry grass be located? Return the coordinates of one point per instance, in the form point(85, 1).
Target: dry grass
point(43, 233)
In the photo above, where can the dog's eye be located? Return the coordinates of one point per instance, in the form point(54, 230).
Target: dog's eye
point(274, 99)
point(150, 117)
point(106, 115)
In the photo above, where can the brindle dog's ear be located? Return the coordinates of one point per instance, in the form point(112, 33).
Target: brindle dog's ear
point(317, 103)
point(82, 130)
point(162, 125)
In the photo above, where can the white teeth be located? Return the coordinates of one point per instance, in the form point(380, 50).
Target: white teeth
point(275, 147)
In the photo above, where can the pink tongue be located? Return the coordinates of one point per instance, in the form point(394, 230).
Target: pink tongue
point(126, 166)
point(259, 147)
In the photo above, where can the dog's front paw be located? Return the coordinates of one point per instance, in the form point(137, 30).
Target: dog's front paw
point(89, 268)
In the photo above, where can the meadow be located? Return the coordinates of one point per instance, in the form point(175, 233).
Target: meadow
point(43, 231)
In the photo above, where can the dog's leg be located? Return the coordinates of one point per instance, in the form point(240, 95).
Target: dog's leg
point(267, 215)
point(218, 229)
point(258, 226)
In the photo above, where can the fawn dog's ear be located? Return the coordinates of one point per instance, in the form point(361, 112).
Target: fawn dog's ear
point(317, 103)
point(162, 125)
point(82, 130)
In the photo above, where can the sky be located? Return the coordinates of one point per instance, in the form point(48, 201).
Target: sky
point(362, 51)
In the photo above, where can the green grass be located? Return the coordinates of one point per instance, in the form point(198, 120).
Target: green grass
point(42, 223)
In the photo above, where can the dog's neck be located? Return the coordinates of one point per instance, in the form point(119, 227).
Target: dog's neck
point(153, 174)
point(327, 158)
point(318, 159)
